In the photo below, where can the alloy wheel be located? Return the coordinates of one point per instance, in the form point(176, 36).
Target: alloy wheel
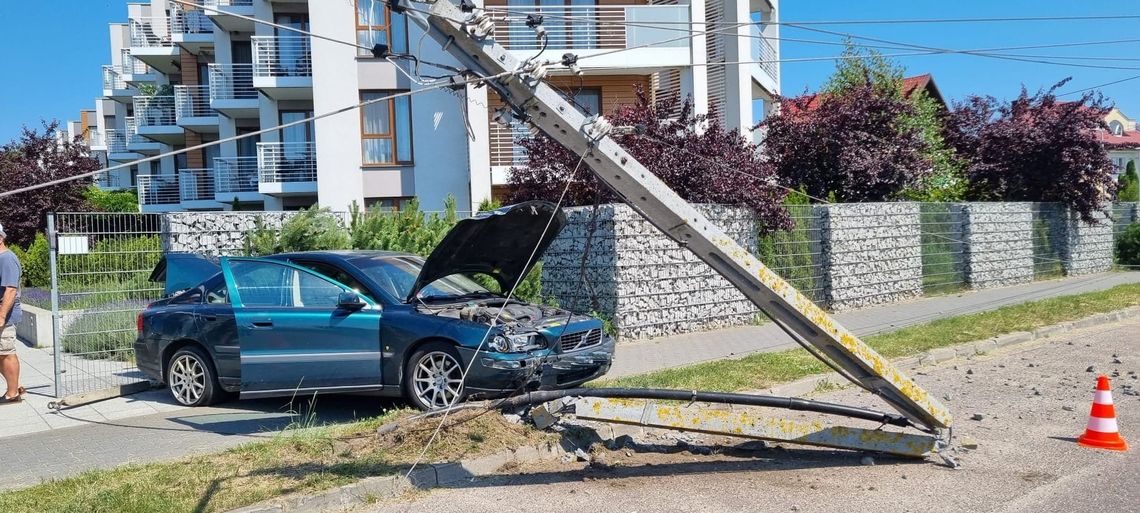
point(438, 380)
point(187, 379)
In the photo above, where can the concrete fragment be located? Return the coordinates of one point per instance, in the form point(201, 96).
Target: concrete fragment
point(968, 443)
point(977, 416)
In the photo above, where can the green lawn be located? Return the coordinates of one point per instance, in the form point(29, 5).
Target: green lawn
point(764, 370)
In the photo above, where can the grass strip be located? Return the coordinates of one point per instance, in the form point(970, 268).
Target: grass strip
point(300, 460)
point(763, 370)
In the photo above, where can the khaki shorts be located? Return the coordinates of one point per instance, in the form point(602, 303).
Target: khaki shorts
point(8, 341)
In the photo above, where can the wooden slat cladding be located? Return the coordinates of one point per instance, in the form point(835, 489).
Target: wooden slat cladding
point(194, 159)
point(617, 90)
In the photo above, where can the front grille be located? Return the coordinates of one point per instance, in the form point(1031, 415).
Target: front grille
point(579, 340)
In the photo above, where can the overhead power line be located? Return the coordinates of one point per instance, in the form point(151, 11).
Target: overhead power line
point(1098, 86)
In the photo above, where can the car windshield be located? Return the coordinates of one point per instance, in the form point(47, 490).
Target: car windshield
point(397, 274)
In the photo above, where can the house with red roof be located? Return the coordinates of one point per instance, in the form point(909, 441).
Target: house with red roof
point(909, 86)
point(1122, 139)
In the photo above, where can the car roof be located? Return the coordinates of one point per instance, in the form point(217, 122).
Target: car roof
point(345, 253)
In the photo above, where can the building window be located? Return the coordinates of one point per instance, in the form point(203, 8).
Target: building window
point(376, 24)
point(385, 129)
point(1116, 128)
point(387, 204)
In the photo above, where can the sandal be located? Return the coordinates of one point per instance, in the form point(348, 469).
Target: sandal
point(21, 391)
point(10, 400)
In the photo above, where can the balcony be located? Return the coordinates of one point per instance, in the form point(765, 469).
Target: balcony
point(236, 178)
point(192, 109)
point(191, 29)
point(592, 29)
point(157, 119)
point(134, 71)
point(153, 43)
point(116, 141)
point(231, 90)
point(287, 168)
point(223, 13)
point(196, 188)
point(283, 67)
point(137, 143)
point(115, 87)
point(766, 71)
point(158, 192)
point(94, 140)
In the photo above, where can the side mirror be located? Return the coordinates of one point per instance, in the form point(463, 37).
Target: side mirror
point(350, 301)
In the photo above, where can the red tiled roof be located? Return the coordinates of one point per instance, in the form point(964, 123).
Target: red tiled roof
point(909, 85)
point(1130, 139)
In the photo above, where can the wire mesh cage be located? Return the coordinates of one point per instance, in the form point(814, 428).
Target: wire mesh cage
point(1048, 219)
point(943, 248)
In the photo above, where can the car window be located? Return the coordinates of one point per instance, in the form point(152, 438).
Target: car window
point(339, 275)
point(271, 284)
point(217, 293)
point(190, 297)
point(398, 274)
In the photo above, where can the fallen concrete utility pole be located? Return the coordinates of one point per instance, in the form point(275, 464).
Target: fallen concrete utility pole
point(464, 32)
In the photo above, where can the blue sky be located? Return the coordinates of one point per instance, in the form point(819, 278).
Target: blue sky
point(54, 49)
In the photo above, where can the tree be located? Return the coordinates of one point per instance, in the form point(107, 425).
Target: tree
point(1035, 148)
point(860, 66)
point(853, 147)
point(1128, 187)
point(695, 155)
point(112, 201)
point(34, 158)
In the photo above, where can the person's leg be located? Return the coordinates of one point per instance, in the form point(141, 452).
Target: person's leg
point(9, 362)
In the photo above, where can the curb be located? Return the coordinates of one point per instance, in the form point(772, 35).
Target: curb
point(433, 475)
point(426, 476)
point(810, 384)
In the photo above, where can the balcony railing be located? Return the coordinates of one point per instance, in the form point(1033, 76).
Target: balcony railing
point(150, 32)
point(232, 82)
point(193, 102)
point(196, 184)
point(94, 139)
point(235, 174)
point(116, 141)
point(765, 53)
point(590, 27)
point(286, 162)
point(112, 79)
point(107, 180)
point(227, 3)
point(155, 111)
point(158, 189)
point(132, 127)
point(190, 22)
point(131, 65)
point(282, 56)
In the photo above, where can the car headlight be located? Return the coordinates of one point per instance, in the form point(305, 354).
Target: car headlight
point(514, 343)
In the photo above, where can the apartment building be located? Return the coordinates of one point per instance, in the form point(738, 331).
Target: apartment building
point(181, 76)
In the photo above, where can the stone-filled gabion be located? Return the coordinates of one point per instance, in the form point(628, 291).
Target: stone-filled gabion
point(642, 280)
point(1086, 248)
point(218, 233)
point(872, 253)
point(999, 243)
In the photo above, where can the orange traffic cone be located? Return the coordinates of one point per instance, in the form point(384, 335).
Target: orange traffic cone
point(1102, 432)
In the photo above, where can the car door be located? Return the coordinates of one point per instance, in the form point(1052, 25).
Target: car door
point(292, 335)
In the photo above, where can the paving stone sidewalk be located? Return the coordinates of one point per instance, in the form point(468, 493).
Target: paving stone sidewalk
point(145, 427)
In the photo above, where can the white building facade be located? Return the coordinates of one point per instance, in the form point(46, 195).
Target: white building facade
point(179, 77)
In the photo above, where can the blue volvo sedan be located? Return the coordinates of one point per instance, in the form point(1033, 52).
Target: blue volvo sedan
point(370, 321)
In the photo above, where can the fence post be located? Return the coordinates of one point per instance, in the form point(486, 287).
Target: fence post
point(56, 343)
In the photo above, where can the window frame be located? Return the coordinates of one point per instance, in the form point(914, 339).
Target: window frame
point(360, 26)
point(392, 131)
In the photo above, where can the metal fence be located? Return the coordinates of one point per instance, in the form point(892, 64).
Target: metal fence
point(794, 254)
point(943, 248)
point(100, 265)
point(1047, 232)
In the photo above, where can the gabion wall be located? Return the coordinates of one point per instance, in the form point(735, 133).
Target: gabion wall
point(217, 233)
point(999, 243)
point(642, 280)
point(872, 253)
point(1086, 248)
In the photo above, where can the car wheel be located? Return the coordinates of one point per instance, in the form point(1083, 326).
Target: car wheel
point(191, 379)
point(433, 378)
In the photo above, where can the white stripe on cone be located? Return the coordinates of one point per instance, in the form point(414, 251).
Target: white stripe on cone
point(1102, 425)
point(1103, 397)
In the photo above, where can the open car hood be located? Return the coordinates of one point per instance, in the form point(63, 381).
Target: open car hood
point(181, 271)
point(496, 243)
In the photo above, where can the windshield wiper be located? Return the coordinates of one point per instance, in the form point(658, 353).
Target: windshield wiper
point(456, 296)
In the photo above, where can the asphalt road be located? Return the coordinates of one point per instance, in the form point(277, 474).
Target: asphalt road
point(1026, 459)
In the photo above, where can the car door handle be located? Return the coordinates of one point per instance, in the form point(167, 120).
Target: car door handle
point(210, 317)
point(262, 324)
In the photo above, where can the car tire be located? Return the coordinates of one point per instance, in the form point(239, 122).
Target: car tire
point(433, 377)
point(191, 379)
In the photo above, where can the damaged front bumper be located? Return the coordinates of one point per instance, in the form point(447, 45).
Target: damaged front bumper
point(497, 374)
